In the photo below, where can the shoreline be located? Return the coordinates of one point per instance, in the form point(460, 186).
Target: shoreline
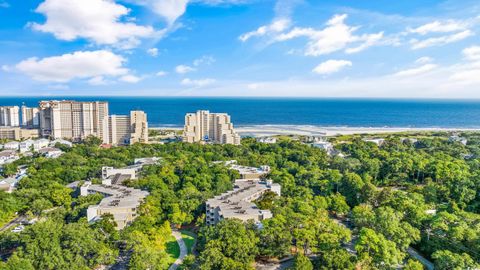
point(311, 130)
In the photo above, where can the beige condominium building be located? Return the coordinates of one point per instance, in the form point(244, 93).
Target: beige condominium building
point(204, 126)
point(17, 133)
point(30, 117)
point(9, 116)
point(119, 201)
point(73, 120)
point(124, 130)
point(238, 203)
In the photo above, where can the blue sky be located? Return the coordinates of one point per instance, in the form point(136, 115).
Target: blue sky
point(318, 48)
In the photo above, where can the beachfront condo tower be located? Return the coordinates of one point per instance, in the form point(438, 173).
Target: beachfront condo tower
point(127, 129)
point(30, 117)
point(73, 120)
point(9, 116)
point(204, 126)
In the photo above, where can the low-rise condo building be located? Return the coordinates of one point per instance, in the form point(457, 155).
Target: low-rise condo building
point(17, 133)
point(238, 203)
point(8, 156)
point(268, 140)
point(40, 144)
point(121, 202)
point(246, 172)
point(204, 126)
point(50, 152)
point(13, 145)
point(113, 176)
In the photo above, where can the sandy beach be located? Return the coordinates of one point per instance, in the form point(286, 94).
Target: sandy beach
point(308, 130)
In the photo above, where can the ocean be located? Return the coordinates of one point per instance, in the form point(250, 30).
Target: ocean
point(325, 112)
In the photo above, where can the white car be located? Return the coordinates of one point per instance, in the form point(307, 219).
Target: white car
point(18, 229)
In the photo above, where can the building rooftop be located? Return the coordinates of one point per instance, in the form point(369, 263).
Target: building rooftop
point(117, 196)
point(237, 203)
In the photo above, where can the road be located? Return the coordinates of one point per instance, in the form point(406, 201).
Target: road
point(183, 250)
point(15, 222)
point(412, 252)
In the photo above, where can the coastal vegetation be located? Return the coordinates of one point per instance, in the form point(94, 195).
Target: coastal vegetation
point(364, 209)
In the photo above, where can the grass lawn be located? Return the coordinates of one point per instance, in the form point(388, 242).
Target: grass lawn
point(189, 238)
point(173, 250)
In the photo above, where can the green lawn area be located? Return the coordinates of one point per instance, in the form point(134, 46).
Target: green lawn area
point(173, 250)
point(189, 238)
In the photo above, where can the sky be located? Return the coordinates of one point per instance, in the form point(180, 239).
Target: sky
point(278, 48)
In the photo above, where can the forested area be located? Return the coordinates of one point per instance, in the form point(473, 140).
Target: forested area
point(362, 210)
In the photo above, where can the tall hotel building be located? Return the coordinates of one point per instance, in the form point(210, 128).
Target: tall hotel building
point(72, 119)
point(209, 127)
point(30, 117)
point(9, 116)
point(124, 129)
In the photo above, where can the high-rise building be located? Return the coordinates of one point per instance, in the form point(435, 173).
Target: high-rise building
point(30, 117)
point(139, 127)
point(124, 130)
point(9, 116)
point(209, 127)
point(72, 119)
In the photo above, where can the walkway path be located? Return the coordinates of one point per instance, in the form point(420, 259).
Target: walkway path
point(429, 265)
point(183, 250)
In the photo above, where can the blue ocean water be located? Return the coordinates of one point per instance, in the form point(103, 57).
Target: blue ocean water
point(166, 111)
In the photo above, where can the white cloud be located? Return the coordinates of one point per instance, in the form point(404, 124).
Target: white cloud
point(277, 26)
point(153, 52)
point(98, 80)
point(424, 60)
point(170, 10)
point(331, 66)
point(6, 68)
point(442, 40)
point(162, 73)
point(334, 37)
point(184, 69)
point(96, 20)
point(416, 71)
point(204, 60)
point(197, 83)
point(439, 27)
point(81, 64)
point(130, 78)
point(369, 40)
point(472, 53)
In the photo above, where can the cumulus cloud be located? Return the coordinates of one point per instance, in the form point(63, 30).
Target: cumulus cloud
point(277, 26)
point(197, 83)
point(96, 20)
point(439, 27)
point(331, 66)
point(439, 41)
point(93, 65)
point(184, 69)
point(162, 73)
point(171, 10)
point(98, 80)
point(153, 52)
point(416, 71)
point(424, 60)
point(204, 60)
point(130, 78)
point(472, 53)
point(336, 36)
